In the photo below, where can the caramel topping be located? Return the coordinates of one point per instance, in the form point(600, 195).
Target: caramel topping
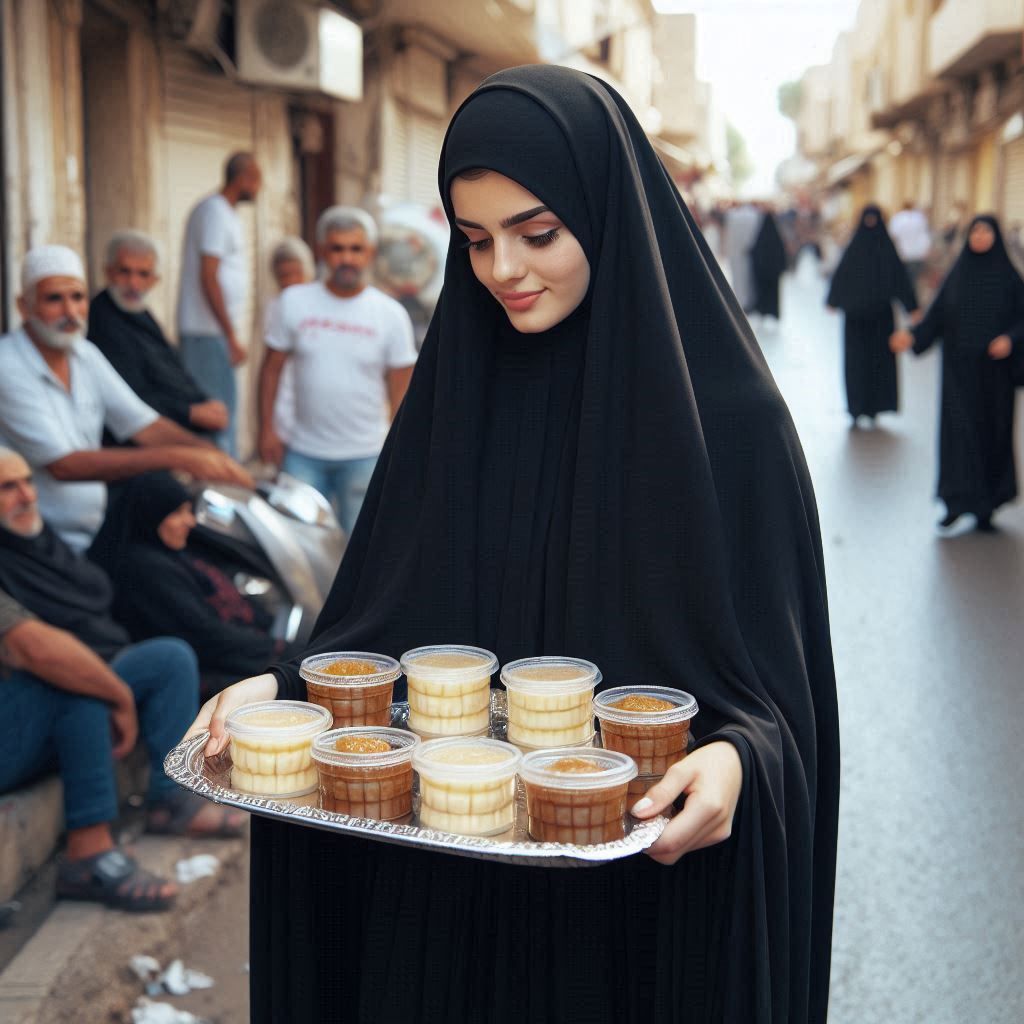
point(574, 765)
point(349, 667)
point(362, 745)
point(638, 702)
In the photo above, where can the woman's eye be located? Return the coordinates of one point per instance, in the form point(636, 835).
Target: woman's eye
point(477, 246)
point(539, 241)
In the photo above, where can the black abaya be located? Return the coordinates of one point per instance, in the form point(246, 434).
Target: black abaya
point(981, 299)
point(768, 263)
point(628, 488)
point(869, 278)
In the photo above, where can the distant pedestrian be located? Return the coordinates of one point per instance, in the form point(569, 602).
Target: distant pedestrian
point(213, 287)
point(869, 278)
point(291, 263)
point(913, 239)
point(979, 316)
point(741, 224)
point(353, 351)
point(768, 260)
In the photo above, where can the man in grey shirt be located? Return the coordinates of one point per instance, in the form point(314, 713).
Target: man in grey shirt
point(58, 392)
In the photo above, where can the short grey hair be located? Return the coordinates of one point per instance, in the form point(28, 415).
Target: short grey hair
point(292, 249)
point(345, 218)
point(132, 241)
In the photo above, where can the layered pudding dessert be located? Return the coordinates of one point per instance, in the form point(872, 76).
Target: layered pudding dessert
point(549, 702)
point(270, 747)
point(354, 686)
point(449, 690)
point(577, 797)
point(650, 723)
point(467, 785)
point(366, 772)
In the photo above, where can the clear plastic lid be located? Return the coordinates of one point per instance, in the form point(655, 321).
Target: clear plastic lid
point(610, 768)
point(550, 675)
point(277, 720)
point(401, 745)
point(449, 663)
point(466, 759)
point(684, 705)
point(379, 668)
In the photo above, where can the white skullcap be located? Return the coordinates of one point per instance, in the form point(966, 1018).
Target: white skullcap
point(49, 261)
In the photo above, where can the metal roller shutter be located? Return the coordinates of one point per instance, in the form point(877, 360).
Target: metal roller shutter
point(1012, 198)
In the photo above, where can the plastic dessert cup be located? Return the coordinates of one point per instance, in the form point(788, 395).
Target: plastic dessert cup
point(354, 686)
point(270, 747)
point(650, 723)
point(365, 771)
point(577, 796)
point(449, 690)
point(467, 785)
point(549, 702)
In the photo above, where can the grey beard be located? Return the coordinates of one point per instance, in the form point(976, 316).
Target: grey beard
point(51, 337)
point(126, 305)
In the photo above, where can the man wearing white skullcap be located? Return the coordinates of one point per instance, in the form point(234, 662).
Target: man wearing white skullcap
point(58, 393)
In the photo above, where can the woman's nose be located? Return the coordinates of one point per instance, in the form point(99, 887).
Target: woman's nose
point(507, 263)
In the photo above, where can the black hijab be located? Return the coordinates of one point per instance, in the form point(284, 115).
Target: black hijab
point(870, 274)
point(983, 294)
point(768, 255)
point(627, 488)
point(62, 587)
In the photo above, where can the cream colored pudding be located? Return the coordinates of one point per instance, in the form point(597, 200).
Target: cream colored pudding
point(270, 747)
point(549, 702)
point(467, 786)
point(576, 799)
point(449, 690)
point(356, 687)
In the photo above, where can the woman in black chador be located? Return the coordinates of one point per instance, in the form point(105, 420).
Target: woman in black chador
point(592, 459)
point(768, 264)
point(869, 278)
point(979, 316)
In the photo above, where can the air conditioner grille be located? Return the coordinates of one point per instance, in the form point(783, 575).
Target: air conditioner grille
point(282, 34)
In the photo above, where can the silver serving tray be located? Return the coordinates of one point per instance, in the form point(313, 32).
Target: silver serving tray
point(211, 778)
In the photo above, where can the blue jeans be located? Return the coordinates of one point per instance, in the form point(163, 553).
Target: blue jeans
point(44, 728)
point(207, 359)
point(342, 481)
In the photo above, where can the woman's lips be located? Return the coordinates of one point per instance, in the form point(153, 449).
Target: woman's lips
point(519, 301)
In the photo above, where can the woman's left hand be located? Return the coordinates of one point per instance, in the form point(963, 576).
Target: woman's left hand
point(1001, 347)
point(711, 778)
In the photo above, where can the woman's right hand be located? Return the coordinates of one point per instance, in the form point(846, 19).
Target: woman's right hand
point(900, 341)
point(213, 714)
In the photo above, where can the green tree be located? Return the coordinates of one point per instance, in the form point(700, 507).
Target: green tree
point(789, 99)
point(741, 166)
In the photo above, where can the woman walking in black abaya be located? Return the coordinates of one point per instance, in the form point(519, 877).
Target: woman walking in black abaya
point(592, 458)
point(869, 278)
point(979, 316)
point(768, 263)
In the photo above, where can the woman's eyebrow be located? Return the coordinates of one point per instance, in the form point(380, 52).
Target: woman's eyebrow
point(508, 222)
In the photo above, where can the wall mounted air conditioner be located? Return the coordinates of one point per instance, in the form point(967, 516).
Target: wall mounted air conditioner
point(298, 46)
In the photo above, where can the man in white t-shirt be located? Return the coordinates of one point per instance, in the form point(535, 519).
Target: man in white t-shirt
point(352, 352)
point(912, 238)
point(212, 289)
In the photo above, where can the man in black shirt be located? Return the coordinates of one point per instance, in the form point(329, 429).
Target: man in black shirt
point(129, 336)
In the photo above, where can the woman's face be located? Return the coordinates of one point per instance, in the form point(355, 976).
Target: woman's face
point(520, 251)
point(870, 220)
point(174, 530)
point(981, 238)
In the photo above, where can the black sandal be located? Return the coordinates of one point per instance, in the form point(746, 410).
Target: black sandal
point(174, 817)
point(113, 878)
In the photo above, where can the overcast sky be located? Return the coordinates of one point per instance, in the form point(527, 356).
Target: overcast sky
point(747, 48)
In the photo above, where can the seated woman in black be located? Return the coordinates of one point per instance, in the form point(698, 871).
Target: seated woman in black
point(162, 589)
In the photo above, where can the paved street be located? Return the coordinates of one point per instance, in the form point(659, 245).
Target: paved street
point(930, 661)
point(929, 654)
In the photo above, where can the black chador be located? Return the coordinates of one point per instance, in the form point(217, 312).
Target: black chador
point(767, 264)
point(981, 299)
point(626, 487)
point(869, 278)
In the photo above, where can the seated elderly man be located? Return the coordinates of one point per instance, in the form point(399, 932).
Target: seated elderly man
point(124, 330)
point(77, 695)
point(58, 392)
